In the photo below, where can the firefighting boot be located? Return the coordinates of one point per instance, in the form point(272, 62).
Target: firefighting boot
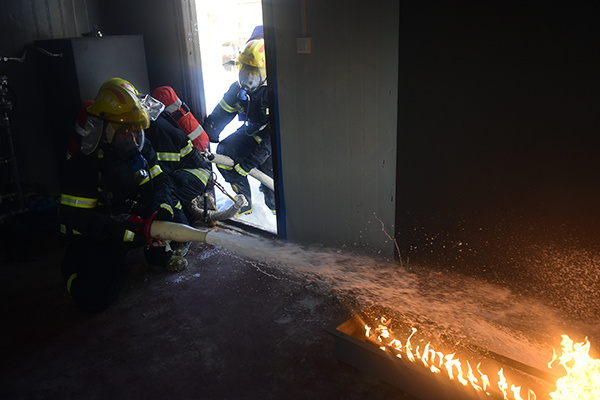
point(162, 258)
point(177, 263)
point(182, 249)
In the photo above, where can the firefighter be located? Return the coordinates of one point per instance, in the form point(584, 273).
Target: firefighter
point(178, 156)
point(250, 145)
point(181, 116)
point(111, 189)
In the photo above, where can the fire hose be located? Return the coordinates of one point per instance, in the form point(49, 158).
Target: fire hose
point(165, 230)
point(236, 243)
point(221, 159)
point(157, 231)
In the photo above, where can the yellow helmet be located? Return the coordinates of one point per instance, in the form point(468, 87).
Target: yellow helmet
point(252, 65)
point(121, 82)
point(253, 54)
point(117, 102)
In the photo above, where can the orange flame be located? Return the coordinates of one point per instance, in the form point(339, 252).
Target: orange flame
point(581, 382)
point(438, 362)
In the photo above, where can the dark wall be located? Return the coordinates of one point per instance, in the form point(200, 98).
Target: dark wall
point(171, 42)
point(498, 164)
point(21, 24)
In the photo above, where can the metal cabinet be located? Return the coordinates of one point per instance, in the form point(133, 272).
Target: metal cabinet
point(77, 74)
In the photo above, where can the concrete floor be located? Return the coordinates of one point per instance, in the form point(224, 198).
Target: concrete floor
point(221, 329)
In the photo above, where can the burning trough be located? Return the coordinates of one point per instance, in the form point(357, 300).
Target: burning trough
point(386, 345)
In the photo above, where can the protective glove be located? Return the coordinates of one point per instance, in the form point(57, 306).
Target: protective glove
point(129, 229)
point(134, 223)
point(240, 202)
point(207, 155)
point(164, 212)
point(139, 166)
point(135, 229)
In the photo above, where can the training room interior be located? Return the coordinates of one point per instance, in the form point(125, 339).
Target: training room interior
point(429, 138)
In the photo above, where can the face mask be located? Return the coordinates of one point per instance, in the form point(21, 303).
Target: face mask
point(127, 142)
point(250, 78)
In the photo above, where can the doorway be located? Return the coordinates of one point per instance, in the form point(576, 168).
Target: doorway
point(224, 26)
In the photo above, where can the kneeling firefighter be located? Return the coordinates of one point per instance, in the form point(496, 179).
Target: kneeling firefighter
point(177, 138)
point(112, 187)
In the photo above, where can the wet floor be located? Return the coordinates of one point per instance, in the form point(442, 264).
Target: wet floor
point(224, 328)
point(247, 319)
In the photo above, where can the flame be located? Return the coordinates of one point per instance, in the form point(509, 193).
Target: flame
point(484, 378)
point(438, 362)
point(502, 383)
point(581, 382)
point(582, 379)
point(472, 378)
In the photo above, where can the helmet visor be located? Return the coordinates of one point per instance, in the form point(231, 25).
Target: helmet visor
point(128, 142)
point(250, 78)
point(91, 134)
point(153, 106)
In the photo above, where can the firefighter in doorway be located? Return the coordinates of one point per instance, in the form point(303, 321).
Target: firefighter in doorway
point(112, 187)
point(250, 145)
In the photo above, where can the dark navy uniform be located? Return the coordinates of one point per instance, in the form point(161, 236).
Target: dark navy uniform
point(98, 192)
point(250, 145)
point(179, 159)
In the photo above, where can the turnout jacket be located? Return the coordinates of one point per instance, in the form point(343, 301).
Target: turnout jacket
point(178, 158)
point(255, 113)
point(98, 188)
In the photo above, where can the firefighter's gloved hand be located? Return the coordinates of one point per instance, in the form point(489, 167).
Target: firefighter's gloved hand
point(164, 213)
point(240, 202)
point(134, 223)
point(238, 168)
point(126, 229)
point(207, 155)
point(139, 166)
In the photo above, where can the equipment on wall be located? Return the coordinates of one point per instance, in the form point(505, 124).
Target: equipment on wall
point(11, 195)
point(12, 199)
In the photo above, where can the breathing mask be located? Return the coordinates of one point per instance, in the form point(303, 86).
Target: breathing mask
point(126, 140)
point(250, 78)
